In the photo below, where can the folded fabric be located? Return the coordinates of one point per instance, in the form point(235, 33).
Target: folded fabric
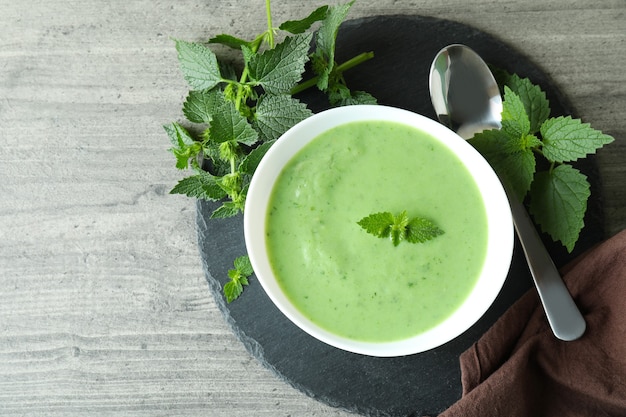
point(519, 368)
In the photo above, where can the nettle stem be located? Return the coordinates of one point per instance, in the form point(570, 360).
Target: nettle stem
point(270, 27)
point(352, 62)
point(256, 44)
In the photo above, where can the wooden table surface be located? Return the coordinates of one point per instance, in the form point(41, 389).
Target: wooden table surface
point(104, 307)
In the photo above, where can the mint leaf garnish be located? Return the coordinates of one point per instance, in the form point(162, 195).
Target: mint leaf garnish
point(400, 227)
point(378, 224)
point(566, 139)
point(238, 278)
point(565, 191)
point(198, 64)
point(420, 230)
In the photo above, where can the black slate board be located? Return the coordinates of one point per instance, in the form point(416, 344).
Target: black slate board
point(416, 385)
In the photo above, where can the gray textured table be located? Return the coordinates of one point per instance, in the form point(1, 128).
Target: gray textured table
point(104, 307)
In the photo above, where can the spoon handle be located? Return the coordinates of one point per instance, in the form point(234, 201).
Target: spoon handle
point(565, 319)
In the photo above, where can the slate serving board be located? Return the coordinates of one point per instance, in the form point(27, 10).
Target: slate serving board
point(416, 385)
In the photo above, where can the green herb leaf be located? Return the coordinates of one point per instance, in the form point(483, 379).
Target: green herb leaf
point(185, 147)
point(301, 26)
point(356, 97)
point(378, 224)
point(200, 105)
point(243, 265)
point(276, 114)
point(511, 157)
point(238, 278)
point(228, 125)
point(400, 227)
point(277, 70)
point(228, 209)
point(252, 160)
point(567, 139)
point(514, 118)
point(230, 41)
point(558, 201)
point(198, 64)
point(420, 230)
point(324, 56)
point(533, 98)
point(202, 185)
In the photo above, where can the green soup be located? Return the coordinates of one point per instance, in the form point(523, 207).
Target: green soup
point(350, 282)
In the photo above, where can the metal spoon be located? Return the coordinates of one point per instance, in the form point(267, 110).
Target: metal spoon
point(466, 98)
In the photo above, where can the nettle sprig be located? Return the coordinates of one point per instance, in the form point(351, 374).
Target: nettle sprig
point(235, 115)
point(241, 113)
point(529, 138)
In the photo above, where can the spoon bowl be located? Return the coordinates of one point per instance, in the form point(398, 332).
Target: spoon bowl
point(464, 92)
point(467, 99)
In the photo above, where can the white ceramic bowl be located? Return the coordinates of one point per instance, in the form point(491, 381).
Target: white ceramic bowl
point(500, 228)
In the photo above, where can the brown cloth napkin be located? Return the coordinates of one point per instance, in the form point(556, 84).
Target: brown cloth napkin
point(518, 368)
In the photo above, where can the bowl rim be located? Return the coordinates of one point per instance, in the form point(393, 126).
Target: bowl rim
point(499, 235)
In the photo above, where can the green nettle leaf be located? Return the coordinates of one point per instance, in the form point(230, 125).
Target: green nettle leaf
point(511, 157)
point(252, 160)
point(277, 70)
point(566, 139)
point(247, 53)
point(238, 278)
point(200, 105)
point(229, 40)
point(198, 64)
point(301, 26)
point(203, 186)
point(520, 170)
point(357, 97)
point(184, 145)
point(530, 142)
point(179, 136)
point(534, 99)
point(324, 56)
point(232, 290)
point(276, 114)
point(243, 265)
point(228, 209)
point(514, 118)
point(558, 201)
point(228, 125)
